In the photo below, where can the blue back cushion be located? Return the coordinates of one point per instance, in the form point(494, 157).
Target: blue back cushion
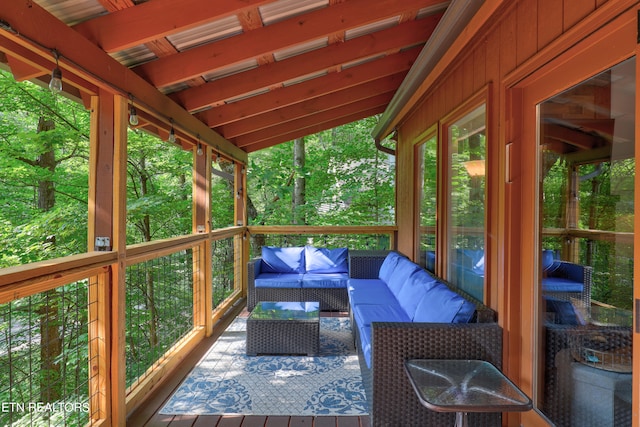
point(401, 274)
point(388, 265)
point(282, 260)
point(323, 260)
point(442, 305)
point(412, 292)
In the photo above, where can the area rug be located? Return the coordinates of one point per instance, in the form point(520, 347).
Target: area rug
point(227, 381)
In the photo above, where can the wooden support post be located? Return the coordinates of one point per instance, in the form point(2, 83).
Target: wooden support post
point(241, 244)
point(118, 279)
point(100, 224)
point(202, 268)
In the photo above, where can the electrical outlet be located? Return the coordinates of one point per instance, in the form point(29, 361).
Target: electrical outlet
point(103, 244)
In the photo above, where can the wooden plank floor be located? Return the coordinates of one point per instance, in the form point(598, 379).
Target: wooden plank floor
point(254, 421)
point(147, 414)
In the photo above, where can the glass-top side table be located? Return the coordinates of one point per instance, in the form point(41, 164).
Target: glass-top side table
point(464, 386)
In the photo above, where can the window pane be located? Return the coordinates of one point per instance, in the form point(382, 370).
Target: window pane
point(467, 155)
point(427, 175)
point(587, 173)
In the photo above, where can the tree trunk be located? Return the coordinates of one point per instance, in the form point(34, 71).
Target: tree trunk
point(299, 183)
point(50, 348)
point(47, 160)
point(49, 324)
point(146, 230)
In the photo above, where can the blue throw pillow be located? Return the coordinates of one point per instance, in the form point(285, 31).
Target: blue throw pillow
point(478, 267)
point(549, 261)
point(282, 260)
point(442, 305)
point(323, 260)
point(563, 311)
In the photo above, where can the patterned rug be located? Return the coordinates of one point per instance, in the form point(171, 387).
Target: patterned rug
point(227, 381)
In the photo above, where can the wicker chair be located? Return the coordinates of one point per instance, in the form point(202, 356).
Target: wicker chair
point(391, 397)
point(575, 272)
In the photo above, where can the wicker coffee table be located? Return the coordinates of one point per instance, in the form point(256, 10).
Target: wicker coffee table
point(284, 328)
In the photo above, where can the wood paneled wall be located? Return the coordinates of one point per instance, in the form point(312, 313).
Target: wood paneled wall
point(514, 40)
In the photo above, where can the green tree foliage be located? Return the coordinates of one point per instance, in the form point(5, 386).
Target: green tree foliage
point(30, 233)
point(348, 181)
point(159, 186)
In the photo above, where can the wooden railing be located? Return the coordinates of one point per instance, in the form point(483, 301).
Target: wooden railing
point(215, 266)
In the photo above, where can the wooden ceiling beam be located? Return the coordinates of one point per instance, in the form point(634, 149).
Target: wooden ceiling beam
point(571, 136)
point(312, 106)
point(156, 19)
point(26, 64)
point(319, 127)
point(35, 29)
point(321, 117)
point(113, 5)
point(254, 44)
point(354, 76)
point(23, 71)
point(392, 39)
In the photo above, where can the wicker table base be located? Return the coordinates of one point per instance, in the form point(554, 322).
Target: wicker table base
point(284, 328)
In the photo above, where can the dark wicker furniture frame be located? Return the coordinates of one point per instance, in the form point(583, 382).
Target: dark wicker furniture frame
point(392, 401)
point(283, 336)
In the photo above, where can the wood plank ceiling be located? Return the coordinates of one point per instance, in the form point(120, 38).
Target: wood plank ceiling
point(258, 72)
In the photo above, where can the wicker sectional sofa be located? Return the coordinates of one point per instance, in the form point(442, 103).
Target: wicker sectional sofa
point(300, 273)
point(386, 337)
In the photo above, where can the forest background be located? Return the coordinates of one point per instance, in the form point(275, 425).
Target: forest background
point(336, 177)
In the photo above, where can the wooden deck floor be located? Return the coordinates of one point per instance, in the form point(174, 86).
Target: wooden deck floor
point(147, 415)
point(254, 421)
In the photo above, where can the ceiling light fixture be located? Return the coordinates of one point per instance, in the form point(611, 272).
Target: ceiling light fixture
point(133, 113)
point(199, 151)
point(55, 84)
point(172, 134)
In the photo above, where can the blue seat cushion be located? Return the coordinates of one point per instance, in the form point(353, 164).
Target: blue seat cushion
point(560, 284)
point(442, 305)
point(279, 280)
point(376, 293)
point(323, 260)
point(365, 284)
point(364, 314)
point(282, 260)
point(388, 266)
point(401, 274)
point(414, 289)
point(325, 280)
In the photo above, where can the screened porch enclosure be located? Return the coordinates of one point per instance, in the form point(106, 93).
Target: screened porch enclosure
point(505, 133)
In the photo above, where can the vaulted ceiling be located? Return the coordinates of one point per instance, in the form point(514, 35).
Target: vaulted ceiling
point(257, 72)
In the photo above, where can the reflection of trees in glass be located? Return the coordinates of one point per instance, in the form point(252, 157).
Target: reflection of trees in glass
point(428, 153)
point(467, 190)
point(605, 203)
point(427, 180)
